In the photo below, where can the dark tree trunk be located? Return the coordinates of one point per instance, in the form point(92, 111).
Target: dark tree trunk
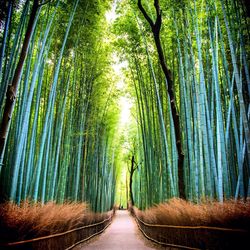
point(156, 27)
point(132, 170)
point(12, 89)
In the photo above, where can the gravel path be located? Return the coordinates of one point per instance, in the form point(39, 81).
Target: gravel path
point(122, 234)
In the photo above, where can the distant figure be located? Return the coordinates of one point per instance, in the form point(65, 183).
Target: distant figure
point(121, 207)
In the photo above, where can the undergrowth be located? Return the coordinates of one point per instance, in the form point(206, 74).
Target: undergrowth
point(31, 220)
point(229, 214)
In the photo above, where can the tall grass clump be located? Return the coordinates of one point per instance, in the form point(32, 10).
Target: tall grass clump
point(230, 214)
point(31, 220)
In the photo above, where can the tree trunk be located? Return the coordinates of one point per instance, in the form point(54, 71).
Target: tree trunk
point(13, 88)
point(156, 27)
point(131, 180)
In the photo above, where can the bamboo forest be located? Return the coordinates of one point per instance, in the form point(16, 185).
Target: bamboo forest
point(121, 111)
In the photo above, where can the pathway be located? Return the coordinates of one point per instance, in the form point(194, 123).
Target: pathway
point(122, 234)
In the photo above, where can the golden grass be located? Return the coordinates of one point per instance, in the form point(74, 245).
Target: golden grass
point(36, 220)
point(230, 214)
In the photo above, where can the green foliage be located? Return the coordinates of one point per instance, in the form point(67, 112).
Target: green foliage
point(200, 42)
point(65, 143)
point(66, 112)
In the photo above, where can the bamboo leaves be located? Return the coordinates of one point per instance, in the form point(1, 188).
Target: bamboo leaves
point(53, 142)
point(207, 68)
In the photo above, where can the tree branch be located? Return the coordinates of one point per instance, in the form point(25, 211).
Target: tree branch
point(158, 22)
point(157, 25)
point(143, 11)
point(157, 7)
point(136, 166)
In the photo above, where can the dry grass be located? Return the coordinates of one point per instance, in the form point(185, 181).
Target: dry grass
point(230, 214)
point(36, 220)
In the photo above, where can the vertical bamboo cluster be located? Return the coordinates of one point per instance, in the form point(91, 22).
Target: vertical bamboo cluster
point(60, 139)
point(206, 46)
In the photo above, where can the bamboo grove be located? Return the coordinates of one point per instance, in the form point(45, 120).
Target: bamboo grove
point(187, 73)
point(59, 145)
point(206, 46)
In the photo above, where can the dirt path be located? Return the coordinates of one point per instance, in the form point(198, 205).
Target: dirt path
point(122, 234)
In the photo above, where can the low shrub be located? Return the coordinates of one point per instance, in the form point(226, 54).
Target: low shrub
point(231, 214)
point(31, 220)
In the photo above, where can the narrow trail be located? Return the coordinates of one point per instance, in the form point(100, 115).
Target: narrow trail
point(122, 234)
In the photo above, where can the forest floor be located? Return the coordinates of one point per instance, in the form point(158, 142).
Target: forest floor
point(122, 234)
